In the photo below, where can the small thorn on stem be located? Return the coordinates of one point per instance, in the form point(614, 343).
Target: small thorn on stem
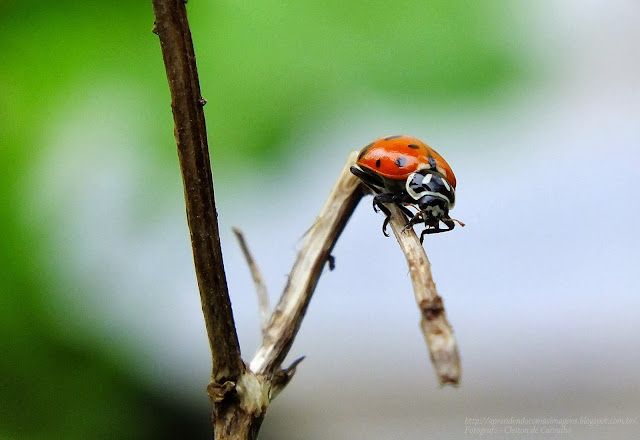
point(283, 377)
point(332, 262)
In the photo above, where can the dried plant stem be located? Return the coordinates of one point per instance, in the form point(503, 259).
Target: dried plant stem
point(437, 331)
point(238, 415)
point(190, 131)
point(261, 288)
point(315, 252)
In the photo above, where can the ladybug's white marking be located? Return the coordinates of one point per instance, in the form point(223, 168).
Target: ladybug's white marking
point(414, 194)
point(417, 195)
point(436, 194)
point(446, 184)
point(435, 211)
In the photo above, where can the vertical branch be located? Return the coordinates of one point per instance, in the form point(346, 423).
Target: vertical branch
point(172, 28)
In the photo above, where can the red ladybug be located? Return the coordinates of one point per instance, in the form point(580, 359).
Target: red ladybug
point(406, 171)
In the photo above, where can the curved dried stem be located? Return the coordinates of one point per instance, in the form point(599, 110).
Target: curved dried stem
point(320, 239)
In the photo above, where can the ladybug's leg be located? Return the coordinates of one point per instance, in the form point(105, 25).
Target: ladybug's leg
point(398, 199)
point(385, 223)
point(378, 207)
point(415, 219)
point(406, 211)
point(449, 223)
point(378, 201)
point(374, 183)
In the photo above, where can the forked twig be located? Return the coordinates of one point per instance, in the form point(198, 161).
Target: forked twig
point(240, 397)
point(261, 288)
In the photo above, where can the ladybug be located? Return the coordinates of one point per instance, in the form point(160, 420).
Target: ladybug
point(406, 171)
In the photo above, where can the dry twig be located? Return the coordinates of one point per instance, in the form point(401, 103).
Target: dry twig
point(315, 252)
point(261, 288)
point(190, 131)
point(437, 331)
point(235, 415)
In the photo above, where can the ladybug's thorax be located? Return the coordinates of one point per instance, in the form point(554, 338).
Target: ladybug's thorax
point(433, 194)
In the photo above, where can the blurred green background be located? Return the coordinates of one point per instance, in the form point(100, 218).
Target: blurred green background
point(82, 85)
point(266, 68)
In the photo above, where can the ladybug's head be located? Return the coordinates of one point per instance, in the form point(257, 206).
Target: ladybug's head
point(433, 209)
point(433, 194)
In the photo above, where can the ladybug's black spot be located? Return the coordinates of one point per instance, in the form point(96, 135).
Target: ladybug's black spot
point(388, 138)
point(378, 163)
point(364, 151)
point(401, 161)
point(432, 162)
point(414, 146)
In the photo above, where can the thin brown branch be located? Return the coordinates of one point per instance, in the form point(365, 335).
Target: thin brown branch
point(437, 331)
point(261, 288)
point(172, 28)
point(313, 256)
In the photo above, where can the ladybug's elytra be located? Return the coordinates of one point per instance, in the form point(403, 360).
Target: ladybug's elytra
point(406, 171)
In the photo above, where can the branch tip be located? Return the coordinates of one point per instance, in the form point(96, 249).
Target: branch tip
point(435, 327)
point(258, 281)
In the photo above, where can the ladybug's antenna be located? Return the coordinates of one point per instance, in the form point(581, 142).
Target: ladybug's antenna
point(457, 221)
